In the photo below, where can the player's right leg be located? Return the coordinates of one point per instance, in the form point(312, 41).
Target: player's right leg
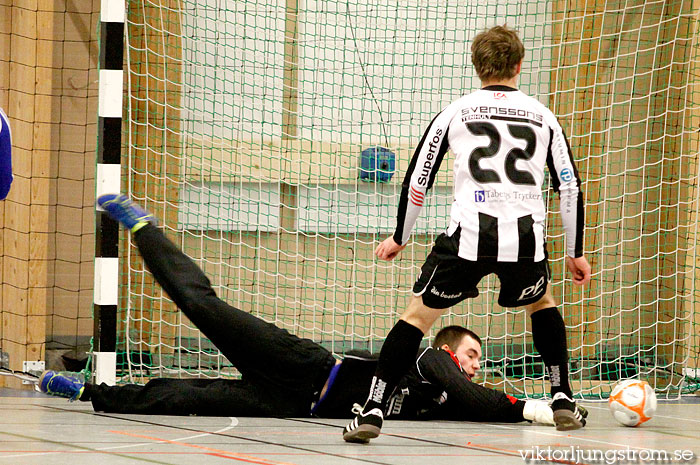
point(395, 359)
point(397, 356)
point(445, 280)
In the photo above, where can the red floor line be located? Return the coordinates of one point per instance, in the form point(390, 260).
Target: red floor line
point(517, 454)
point(487, 447)
point(209, 450)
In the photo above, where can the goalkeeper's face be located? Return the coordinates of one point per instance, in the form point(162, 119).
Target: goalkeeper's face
point(468, 352)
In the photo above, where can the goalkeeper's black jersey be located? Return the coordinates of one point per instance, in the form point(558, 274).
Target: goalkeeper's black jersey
point(435, 388)
point(501, 140)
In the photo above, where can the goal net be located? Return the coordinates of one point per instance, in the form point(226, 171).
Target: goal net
point(271, 138)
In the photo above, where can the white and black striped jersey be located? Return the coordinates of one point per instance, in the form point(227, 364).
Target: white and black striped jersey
point(501, 140)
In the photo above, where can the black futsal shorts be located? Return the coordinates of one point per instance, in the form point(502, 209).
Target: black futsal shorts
point(446, 279)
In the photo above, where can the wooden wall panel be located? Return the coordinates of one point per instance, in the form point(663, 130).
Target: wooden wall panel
point(620, 94)
point(47, 87)
point(154, 149)
point(23, 332)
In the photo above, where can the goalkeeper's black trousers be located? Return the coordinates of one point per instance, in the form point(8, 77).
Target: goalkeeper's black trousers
point(282, 374)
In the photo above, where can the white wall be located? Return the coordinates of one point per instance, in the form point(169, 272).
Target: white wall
point(370, 70)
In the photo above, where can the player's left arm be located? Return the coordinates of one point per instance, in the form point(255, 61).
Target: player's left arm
point(566, 181)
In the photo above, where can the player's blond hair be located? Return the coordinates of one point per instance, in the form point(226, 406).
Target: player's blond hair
point(496, 53)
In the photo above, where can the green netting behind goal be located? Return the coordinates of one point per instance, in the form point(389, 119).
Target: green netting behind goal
point(244, 132)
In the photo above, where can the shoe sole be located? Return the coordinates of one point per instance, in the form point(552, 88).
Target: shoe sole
point(362, 434)
point(566, 421)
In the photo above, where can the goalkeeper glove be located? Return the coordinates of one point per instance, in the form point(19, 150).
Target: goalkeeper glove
point(538, 411)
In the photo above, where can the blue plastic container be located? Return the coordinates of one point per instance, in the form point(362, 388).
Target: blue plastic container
point(377, 164)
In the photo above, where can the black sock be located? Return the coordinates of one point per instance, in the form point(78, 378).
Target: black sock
point(549, 336)
point(395, 359)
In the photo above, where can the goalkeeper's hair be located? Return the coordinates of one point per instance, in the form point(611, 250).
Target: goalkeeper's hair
point(453, 335)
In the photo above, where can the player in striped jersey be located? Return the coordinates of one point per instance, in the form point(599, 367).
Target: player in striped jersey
point(501, 140)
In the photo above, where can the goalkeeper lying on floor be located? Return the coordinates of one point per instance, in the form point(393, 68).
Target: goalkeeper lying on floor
point(282, 374)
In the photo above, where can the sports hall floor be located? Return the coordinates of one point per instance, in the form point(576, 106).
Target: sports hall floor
point(36, 429)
